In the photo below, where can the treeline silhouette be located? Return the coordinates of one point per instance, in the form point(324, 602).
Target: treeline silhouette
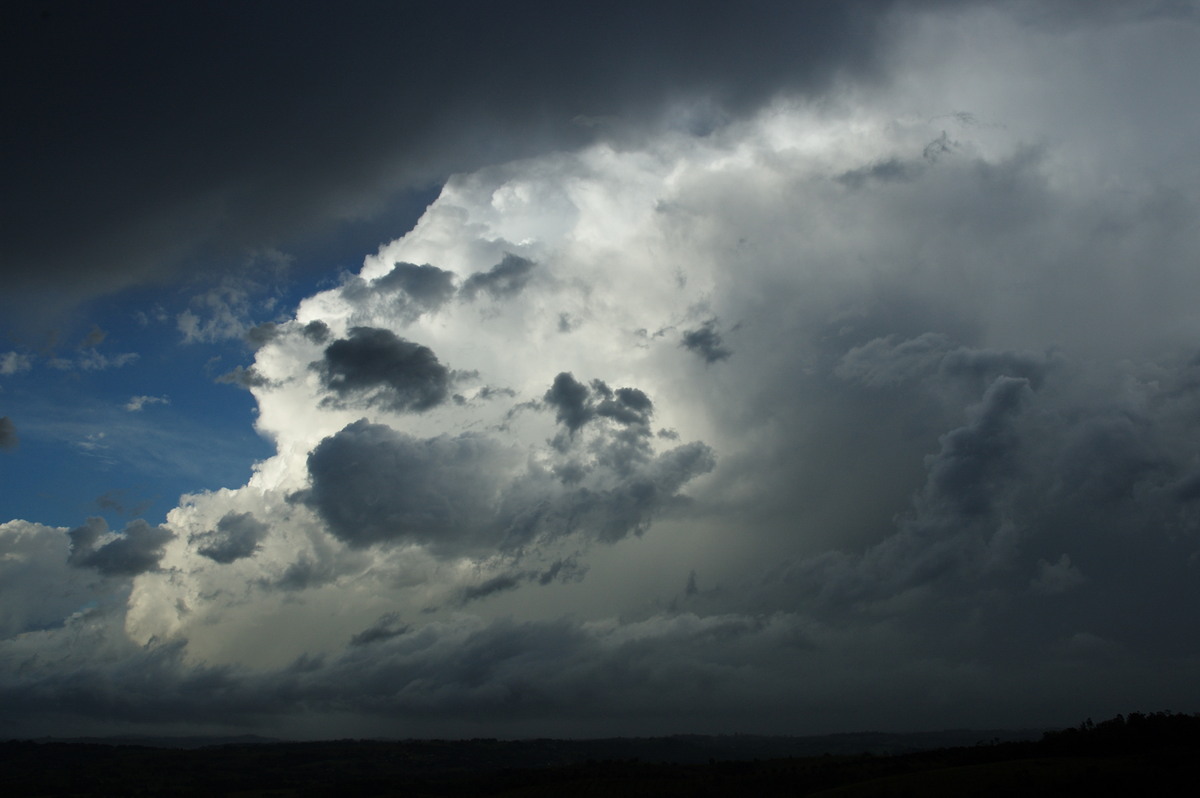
point(1138, 754)
point(1159, 732)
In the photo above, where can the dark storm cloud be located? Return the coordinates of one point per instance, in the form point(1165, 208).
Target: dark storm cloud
point(574, 404)
point(136, 550)
point(384, 369)
point(372, 484)
point(197, 129)
point(960, 475)
point(569, 398)
point(645, 491)
point(884, 362)
point(706, 342)
point(237, 535)
point(505, 279)
point(387, 627)
point(8, 433)
point(501, 583)
point(538, 678)
point(428, 285)
point(411, 289)
point(316, 331)
point(1053, 507)
point(626, 405)
point(618, 495)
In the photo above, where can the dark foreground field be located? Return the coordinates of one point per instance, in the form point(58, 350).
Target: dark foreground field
point(1140, 755)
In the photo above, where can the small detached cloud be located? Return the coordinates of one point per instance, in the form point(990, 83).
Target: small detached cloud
point(92, 360)
point(8, 433)
point(94, 338)
point(226, 311)
point(14, 363)
point(136, 403)
point(244, 377)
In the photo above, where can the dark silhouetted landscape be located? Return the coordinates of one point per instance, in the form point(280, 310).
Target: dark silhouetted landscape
point(1142, 754)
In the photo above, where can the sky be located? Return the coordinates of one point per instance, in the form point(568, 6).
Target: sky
point(539, 369)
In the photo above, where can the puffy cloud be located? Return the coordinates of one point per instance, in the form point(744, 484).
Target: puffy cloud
point(237, 535)
point(135, 550)
point(428, 286)
point(382, 368)
point(372, 484)
point(569, 398)
point(505, 279)
point(38, 589)
point(407, 291)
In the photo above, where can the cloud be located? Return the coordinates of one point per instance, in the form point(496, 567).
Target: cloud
point(8, 433)
point(94, 338)
point(135, 550)
point(885, 362)
point(574, 404)
point(706, 342)
point(14, 363)
point(372, 484)
point(237, 535)
point(569, 398)
point(136, 403)
point(91, 360)
point(377, 365)
point(417, 289)
point(960, 475)
point(244, 377)
point(1056, 578)
point(506, 279)
point(158, 214)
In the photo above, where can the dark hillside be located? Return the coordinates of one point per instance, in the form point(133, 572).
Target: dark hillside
point(1141, 754)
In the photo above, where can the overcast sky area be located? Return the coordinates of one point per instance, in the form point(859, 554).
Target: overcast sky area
point(544, 369)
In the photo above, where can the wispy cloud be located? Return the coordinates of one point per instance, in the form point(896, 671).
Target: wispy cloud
point(136, 403)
